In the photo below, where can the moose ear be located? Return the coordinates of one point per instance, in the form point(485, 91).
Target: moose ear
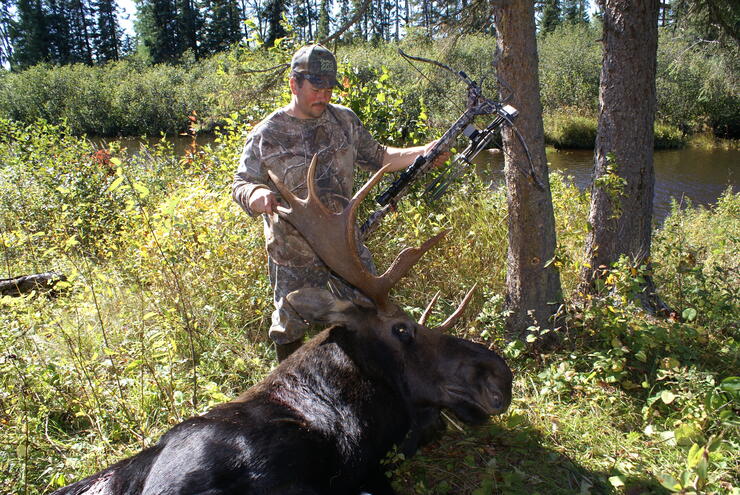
point(320, 305)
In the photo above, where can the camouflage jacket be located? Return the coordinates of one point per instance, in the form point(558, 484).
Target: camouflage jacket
point(285, 145)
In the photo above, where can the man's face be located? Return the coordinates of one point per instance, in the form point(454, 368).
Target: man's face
point(310, 101)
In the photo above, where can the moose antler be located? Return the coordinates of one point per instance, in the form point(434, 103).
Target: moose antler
point(452, 319)
point(332, 236)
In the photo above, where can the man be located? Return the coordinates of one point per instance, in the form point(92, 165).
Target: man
point(284, 143)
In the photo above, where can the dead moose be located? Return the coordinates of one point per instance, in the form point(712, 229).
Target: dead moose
point(323, 421)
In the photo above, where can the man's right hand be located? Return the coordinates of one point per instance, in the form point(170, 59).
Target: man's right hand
point(263, 200)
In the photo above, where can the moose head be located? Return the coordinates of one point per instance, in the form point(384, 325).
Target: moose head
point(440, 370)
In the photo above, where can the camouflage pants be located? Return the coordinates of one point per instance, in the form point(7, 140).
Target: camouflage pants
point(287, 325)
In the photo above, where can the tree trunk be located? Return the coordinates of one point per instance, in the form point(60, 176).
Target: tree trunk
point(620, 219)
point(40, 282)
point(533, 292)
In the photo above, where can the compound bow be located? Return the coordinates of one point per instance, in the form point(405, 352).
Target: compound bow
point(477, 104)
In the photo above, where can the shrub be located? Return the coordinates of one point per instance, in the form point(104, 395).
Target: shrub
point(570, 130)
point(668, 137)
point(697, 86)
point(570, 61)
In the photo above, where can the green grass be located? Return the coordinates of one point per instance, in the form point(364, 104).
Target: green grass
point(167, 305)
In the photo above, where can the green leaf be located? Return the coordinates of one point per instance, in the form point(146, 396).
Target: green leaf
point(115, 184)
point(669, 482)
point(689, 314)
point(688, 434)
point(141, 189)
point(731, 385)
point(696, 453)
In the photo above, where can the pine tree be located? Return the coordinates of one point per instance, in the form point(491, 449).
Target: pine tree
point(58, 38)
point(29, 34)
point(273, 14)
point(550, 16)
point(6, 43)
point(108, 40)
point(221, 25)
point(156, 26)
point(189, 24)
point(81, 28)
point(575, 11)
point(322, 30)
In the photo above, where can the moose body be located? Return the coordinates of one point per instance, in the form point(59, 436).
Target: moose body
point(325, 419)
point(322, 422)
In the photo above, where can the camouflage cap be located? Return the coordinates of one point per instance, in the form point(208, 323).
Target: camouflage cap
point(317, 64)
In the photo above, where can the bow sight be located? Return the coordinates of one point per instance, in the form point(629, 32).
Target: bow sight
point(479, 138)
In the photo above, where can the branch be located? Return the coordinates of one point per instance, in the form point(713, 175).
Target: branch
point(360, 11)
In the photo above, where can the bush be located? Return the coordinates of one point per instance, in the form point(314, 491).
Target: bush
point(570, 130)
point(119, 98)
point(697, 86)
point(570, 62)
point(668, 137)
point(167, 305)
point(697, 266)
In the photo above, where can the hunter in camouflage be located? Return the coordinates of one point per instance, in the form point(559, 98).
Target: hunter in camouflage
point(284, 143)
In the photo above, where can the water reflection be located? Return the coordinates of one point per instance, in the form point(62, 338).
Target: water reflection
point(701, 175)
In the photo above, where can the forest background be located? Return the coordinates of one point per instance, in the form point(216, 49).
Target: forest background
point(164, 309)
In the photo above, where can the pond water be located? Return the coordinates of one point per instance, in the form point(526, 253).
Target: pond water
point(696, 174)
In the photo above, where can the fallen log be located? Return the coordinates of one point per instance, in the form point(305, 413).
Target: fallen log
point(40, 282)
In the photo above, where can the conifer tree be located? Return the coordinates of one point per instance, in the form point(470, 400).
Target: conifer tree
point(108, 40)
point(189, 24)
point(221, 25)
point(156, 26)
point(58, 38)
point(550, 16)
point(81, 28)
point(6, 43)
point(322, 30)
point(29, 34)
point(273, 14)
point(575, 11)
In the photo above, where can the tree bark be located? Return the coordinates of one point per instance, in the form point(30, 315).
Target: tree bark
point(533, 291)
point(620, 219)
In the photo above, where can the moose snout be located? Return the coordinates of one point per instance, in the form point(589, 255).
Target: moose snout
point(498, 391)
point(497, 403)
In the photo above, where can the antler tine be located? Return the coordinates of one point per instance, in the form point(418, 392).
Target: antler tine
point(287, 195)
point(428, 310)
point(351, 212)
point(365, 189)
point(360, 196)
point(452, 319)
point(404, 261)
point(313, 195)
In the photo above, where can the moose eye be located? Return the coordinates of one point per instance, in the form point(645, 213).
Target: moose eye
point(403, 332)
